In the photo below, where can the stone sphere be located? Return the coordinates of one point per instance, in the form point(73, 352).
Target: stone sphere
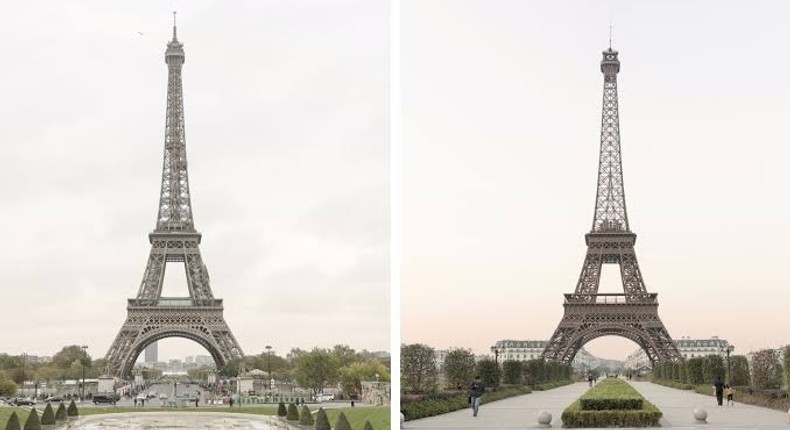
point(700, 414)
point(544, 418)
point(402, 419)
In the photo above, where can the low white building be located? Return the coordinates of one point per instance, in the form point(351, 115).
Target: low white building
point(688, 348)
point(523, 350)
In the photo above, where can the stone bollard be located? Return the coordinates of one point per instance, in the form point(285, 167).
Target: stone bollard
point(544, 419)
point(402, 419)
point(788, 416)
point(700, 415)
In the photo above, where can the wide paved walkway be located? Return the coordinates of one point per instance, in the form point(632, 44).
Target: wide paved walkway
point(677, 405)
point(513, 413)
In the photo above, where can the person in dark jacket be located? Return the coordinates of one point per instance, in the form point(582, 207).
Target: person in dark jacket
point(718, 389)
point(475, 393)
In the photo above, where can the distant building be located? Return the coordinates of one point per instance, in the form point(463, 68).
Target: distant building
point(189, 359)
point(152, 353)
point(523, 350)
point(203, 360)
point(688, 348)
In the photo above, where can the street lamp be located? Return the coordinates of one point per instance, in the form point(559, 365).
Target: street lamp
point(84, 356)
point(269, 356)
point(495, 350)
point(24, 359)
point(730, 348)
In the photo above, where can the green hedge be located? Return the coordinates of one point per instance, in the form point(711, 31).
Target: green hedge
point(611, 403)
point(444, 403)
point(574, 417)
point(611, 394)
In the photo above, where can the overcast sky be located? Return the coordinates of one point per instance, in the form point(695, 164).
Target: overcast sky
point(501, 111)
point(287, 139)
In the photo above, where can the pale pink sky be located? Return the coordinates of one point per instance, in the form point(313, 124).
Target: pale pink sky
point(501, 105)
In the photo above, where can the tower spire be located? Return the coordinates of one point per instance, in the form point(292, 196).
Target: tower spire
point(175, 39)
point(610, 34)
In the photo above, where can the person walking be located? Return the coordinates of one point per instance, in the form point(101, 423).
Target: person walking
point(729, 391)
point(475, 393)
point(718, 389)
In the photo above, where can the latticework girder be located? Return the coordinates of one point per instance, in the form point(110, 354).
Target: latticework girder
point(633, 314)
point(151, 317)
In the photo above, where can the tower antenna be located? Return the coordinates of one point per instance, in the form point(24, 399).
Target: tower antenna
point(610, 35)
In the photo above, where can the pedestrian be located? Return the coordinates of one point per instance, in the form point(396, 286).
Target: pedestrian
point(197, 399)
point(135, 402)
point(230, 401)
point(718, 390)
point(729, 391)
point(475, 393)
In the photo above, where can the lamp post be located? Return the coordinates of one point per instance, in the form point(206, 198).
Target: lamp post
point(730, 348)
point(84, 355)
point(269, 357)
point(24, 359)
point(495, 350)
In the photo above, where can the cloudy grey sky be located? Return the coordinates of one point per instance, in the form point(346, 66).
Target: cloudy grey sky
point(287, 137)
point(501, 105)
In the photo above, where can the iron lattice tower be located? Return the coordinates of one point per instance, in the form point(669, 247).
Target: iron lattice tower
point(150, 316)
point(633, 314)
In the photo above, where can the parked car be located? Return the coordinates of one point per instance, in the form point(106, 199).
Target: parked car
point(323, 397)
point(53, 399)
point(105, 398)
point(22, 401)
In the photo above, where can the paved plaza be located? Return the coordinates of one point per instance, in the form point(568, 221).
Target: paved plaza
point(170, 420)
point(677, 405)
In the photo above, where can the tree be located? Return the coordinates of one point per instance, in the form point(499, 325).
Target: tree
point(345, 355)
point(342, 422)
point(694, 373)
point(712, 368)
point(8, 387)
point(740, 370)
point(72, 410)
point(69, 354)
point(765, 363)
point(13, 422)
point(293, 413)
point(33, 423)
point(459, 367)
point(418, 368)
point(321, 420)
point(512, 370)
point(488, 372)
point(351, 376)
point(786, 365)
point(48, 417)
point(306, 418)
point(61, 415)
point(232, 368)
point(315, 369)
point(281, 411)
point(368, 425)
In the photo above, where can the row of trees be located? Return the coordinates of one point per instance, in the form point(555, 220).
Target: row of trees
point(314, 369)
point(66, 364)
point(770, 368)
point(420, 373)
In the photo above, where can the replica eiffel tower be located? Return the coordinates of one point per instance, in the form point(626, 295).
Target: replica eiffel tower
point(633, 314)
point(152, 317)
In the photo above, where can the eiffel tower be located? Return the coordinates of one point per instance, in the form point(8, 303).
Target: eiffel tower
point(588, 314)
point(152, 317)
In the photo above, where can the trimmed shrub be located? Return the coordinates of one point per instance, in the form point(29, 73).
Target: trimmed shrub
point(60, 415)
point(13, 422)
point(368, 425)
point(321, 420)
point(281, 411)
point(306, 418)
point(48, 417)
point(610, 394)
point(293, 413)
point(32, 422)
point(342, 422)
point(72, 410)
point(414, 407)
point(574, 417)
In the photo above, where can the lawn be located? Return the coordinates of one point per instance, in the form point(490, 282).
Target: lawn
point(22, 413)
point(378, 416)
